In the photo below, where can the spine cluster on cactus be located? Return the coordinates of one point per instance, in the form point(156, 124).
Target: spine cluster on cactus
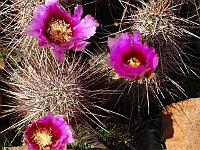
point(42, 84)
point(77, 84)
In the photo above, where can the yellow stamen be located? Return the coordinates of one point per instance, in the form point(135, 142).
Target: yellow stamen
point(133, 62)
point(43, 138)
point(59, 31)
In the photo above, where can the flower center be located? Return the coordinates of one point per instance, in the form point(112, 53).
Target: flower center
point(59, 31)
point(133, 62)
point(42, 138)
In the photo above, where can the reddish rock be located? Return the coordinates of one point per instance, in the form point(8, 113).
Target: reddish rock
point(181, 125)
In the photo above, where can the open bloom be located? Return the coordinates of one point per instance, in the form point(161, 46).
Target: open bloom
point(55, 27)
point(130, 58)
point(49, 133)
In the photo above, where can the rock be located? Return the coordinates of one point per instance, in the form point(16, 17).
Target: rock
point(181, 125)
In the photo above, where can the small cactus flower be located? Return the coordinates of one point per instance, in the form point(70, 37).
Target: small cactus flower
point(59, 29)
point(130, 58)
point(49, 133)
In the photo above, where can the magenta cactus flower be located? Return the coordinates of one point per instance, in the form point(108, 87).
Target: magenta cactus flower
point(59, 29)
point(49, 133)
point(130, 58)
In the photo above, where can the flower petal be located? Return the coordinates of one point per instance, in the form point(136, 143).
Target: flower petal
point(109, 61)
point(69, 44)
point(125, 48)
point(80, 45)
point(43, 41)
point(86, 28)
point(56, 127)
point(31, 31)
point(136, 37)
point(51, 2)
point(70, 140)
point(78, 11)
point(37, 24)
point(59, 54)
point(112, 41)
point(78, 30)
point(39, 17)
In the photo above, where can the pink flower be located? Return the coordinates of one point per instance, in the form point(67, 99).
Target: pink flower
point(55, 27)
point(130, 58)
point(48, 133)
